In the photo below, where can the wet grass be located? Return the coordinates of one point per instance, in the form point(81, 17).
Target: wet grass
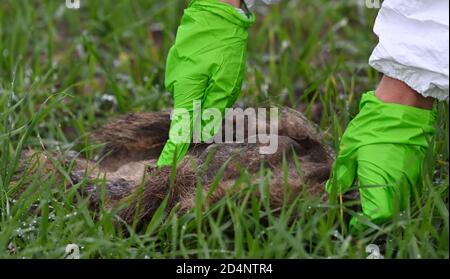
point(64, 72)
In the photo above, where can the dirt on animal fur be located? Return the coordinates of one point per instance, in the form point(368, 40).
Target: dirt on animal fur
point(132, 144)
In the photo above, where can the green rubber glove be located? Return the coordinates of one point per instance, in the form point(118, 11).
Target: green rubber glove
point(207, 64)
point(382, 150)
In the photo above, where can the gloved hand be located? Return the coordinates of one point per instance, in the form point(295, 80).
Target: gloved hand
point(382, 150)
point(207, 64)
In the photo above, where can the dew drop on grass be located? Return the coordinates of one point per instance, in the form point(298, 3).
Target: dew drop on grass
point(265, 88)
point(107, 101)
point(336, 234)
point(284, 45)
point(80, 50)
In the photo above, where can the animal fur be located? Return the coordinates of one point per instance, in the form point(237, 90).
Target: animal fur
point(132, 143)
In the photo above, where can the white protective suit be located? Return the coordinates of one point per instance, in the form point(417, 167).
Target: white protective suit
point(413, 44)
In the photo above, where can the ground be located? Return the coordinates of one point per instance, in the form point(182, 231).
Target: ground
point(64, 73)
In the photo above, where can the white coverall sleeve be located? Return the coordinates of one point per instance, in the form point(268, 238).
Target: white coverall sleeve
point(414, 45)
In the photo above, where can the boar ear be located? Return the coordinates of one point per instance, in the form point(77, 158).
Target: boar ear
point(131, 138)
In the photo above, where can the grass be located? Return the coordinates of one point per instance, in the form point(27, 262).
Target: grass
point(64, 72)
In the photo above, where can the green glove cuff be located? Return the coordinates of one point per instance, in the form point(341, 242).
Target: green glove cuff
point(223, 10)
